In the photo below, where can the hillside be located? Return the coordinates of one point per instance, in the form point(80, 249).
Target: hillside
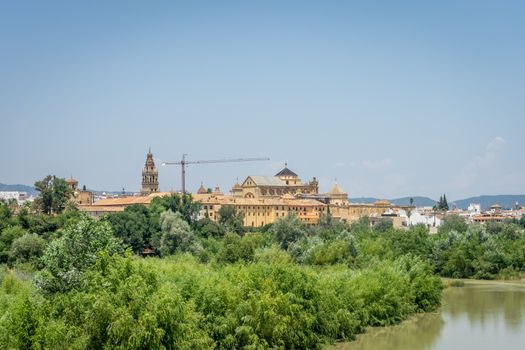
point(20, 188)
point(505, 200)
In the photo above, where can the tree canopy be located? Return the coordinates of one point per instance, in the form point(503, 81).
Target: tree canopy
point(54, 194)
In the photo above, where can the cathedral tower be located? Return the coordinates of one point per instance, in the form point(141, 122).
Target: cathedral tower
point(150, 176)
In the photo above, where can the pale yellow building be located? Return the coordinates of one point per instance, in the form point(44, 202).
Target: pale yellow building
point(79, 196)
point(265, 199)
point(284, 182)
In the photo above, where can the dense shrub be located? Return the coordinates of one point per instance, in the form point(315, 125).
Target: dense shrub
point(68, 257)
point(288, 230)
point(27, 249)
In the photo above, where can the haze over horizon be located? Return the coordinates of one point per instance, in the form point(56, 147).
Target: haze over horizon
point(391, 100)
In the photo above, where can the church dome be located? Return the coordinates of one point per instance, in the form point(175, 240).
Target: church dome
point(336, 189)
point(201, 190)
point(72, 181)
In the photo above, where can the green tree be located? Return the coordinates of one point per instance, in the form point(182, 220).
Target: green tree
point(231, 219)
point(442, 204)
point(7, 236)
point(383, 225)
point(206, 227)
point(453, 222)
point(134, 226)
point(68, 257)
point(182, 204)
point(236, 248)
point(445, 203)
point(28, 248)
point(6, 215)
point(521, 222)
point(288, 230)
point(54, 194)
point(176, 234)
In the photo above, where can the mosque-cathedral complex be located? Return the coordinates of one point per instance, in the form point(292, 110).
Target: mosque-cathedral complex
point(262, 199)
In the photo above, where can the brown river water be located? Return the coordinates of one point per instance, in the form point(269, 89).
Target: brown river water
point(480, 315)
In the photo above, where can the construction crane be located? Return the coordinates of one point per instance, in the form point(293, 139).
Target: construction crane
point(183, 163)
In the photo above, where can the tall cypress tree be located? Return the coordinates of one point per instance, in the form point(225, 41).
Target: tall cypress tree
point(445, 203)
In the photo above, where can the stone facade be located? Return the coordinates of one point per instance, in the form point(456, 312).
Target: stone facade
point(285, 182)
point(150, 176)
point(263, 200)
point(79, 196)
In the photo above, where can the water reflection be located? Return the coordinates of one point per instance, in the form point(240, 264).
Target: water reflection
point(479, 315)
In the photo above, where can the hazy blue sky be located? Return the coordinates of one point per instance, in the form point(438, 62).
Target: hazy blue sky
point(392, 98)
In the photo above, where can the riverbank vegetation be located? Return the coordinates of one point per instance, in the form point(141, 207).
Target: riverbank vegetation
point(69, 281)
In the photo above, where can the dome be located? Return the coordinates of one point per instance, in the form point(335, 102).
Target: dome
point(72, 181)
point(382, 202)
point(201, 190)
point(336, 189)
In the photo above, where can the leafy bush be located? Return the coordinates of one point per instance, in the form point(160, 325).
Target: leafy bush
point(288, 230)
point(27, 249)
point(176, 234)
point(68, 257)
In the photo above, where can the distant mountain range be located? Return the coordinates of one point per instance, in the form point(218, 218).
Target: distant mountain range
point(505, 200)
point(19, 188)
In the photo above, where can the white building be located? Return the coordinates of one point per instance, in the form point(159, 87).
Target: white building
point(428, 219)
point(474, 209)
point(20, 197)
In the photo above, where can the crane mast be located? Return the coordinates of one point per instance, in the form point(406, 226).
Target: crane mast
point(183, 163)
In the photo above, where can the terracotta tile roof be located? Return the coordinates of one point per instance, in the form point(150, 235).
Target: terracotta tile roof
point(130, 200)
point(98, 208)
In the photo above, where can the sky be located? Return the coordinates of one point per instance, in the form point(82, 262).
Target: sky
point(388, 98)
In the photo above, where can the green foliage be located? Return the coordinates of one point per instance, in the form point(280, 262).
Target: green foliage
point(383, 225)
point(453, 222)
point(521, 221)
point(176, 234)
point(442, 204)
point(54, 194)
point(236, 248)
point(206, 227)
point(477, 253)
point(6, 215)
point(7, 236)
point(27, 249)
point(287, 230)
point(135, 226)
point(231, 220)
point(68, 257)
point(285, 286)
point(182, 204)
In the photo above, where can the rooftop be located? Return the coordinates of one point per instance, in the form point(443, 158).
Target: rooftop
point(267, 180)
point(286, 172)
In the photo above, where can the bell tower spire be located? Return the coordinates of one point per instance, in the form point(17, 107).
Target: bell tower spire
point(150, 175)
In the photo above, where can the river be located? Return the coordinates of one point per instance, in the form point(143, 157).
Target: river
point(480, 315)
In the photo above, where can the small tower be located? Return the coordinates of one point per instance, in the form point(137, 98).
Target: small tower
point(150, 176)
point(73, 183)
point(201, 189)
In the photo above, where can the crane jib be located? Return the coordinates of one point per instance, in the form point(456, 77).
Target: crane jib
point(184, 162)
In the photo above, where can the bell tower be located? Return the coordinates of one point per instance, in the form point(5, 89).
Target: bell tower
point(150, 176)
